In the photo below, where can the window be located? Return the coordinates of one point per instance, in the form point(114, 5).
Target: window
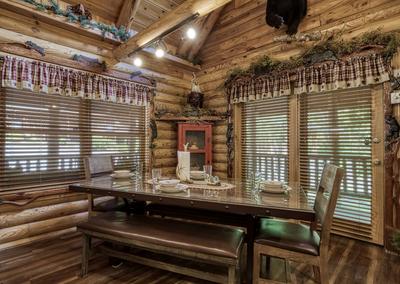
point(265, 139)
point(45, 137)
point(337, 128)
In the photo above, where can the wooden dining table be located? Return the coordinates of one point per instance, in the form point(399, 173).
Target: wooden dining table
point(239, 205)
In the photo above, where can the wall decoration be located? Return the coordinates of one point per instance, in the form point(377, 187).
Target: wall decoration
point(230, 143)
point(81, 11)
point(396, 240)
point(94, 62)
point(299, 37)
point(286, 12)
point(196, 97)
point(332, 64)
point(31, 45)
point(81, 15)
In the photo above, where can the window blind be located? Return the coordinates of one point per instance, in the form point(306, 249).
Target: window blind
point(337, 128)
point(265, 139)
point(44, 138)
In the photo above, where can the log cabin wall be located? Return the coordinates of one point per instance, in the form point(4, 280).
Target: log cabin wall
point(53, 211)
point(241, 35)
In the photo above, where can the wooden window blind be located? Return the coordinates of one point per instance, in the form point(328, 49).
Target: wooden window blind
point(265, 139)
point(45, 137)
point(337, 128)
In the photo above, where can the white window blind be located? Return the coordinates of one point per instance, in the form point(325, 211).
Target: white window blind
point(265, 139)
point(45, 137)
point(337, 128)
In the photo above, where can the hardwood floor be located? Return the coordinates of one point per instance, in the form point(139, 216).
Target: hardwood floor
point(58, 261)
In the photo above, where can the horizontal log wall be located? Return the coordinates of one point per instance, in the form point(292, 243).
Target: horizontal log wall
point(57, 211)
point(241, 36)
point(172, 98)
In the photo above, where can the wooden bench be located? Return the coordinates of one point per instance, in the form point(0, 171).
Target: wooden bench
point(203, 243)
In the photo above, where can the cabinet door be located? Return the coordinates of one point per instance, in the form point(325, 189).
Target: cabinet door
point(198, 138)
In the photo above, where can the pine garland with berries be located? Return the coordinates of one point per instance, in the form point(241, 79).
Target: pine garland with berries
point(85, 21)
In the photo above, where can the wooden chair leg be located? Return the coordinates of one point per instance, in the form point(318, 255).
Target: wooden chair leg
point(256, 264)
point(85, 255)
point(323, 272)
point(232, 274)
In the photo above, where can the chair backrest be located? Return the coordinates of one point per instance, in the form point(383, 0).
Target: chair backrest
point(97, 165)
point(325, 201)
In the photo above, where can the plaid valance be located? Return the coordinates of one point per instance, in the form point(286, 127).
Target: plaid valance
point(47, 78)
point(249, 89)
point(348, 73)
point(351, 73)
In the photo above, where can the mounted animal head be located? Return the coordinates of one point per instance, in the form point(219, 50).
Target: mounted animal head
point(288, 12)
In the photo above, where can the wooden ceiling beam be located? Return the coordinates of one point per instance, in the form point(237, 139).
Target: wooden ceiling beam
point(207, 27)
point(128, 13)
point(26, 26)
point(181, 13)
point(35, 22)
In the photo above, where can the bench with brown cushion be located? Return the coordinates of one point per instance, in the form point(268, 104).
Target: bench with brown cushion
point(206, 243)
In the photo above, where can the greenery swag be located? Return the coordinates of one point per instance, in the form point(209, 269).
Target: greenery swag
point(84, 20)
point(328, 49)
point(396, 240)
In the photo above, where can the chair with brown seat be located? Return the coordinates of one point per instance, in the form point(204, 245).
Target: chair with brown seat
point(98, 165)
point(298, 242)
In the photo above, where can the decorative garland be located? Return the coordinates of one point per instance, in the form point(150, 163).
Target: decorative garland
point(84, 20)
point(396, 240)
point(329, 49)
point(188, 111)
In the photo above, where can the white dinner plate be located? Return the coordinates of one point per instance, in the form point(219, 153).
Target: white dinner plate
point(176, 189)
point(281, 190)
point(119, 177)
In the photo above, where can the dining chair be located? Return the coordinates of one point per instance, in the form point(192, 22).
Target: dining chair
point(298, 242)
point(98, 165)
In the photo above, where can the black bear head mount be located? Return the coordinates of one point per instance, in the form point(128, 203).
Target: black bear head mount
point(286, 12)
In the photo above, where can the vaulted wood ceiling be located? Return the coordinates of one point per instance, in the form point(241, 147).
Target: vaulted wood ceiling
point(148, 12)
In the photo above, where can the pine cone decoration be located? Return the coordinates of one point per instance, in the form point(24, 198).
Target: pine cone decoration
point(80, 10)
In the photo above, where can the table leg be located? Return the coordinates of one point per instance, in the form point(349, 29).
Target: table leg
point(251, 228)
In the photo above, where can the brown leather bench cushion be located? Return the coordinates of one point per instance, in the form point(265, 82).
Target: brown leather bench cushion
point(195, 237)
point(289, 236)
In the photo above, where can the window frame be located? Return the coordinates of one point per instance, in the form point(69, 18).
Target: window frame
point(378, 126)
point(85, 142)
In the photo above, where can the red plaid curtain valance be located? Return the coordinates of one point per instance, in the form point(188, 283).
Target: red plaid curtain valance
point(351, 73)
point(46, 78)
point(341, 74)
point(249, 89)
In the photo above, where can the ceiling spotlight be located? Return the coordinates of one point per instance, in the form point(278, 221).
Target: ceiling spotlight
point(191, 33)
point(138, 62)
point(160, 52)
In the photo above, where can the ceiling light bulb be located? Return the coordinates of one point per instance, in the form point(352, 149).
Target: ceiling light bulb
point(191, 33)
point(138, 62)
point(160, 52)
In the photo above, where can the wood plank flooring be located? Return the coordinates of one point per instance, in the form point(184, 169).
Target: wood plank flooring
point(58, 261)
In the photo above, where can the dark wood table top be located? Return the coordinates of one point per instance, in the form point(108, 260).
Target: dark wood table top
point(239, 200)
